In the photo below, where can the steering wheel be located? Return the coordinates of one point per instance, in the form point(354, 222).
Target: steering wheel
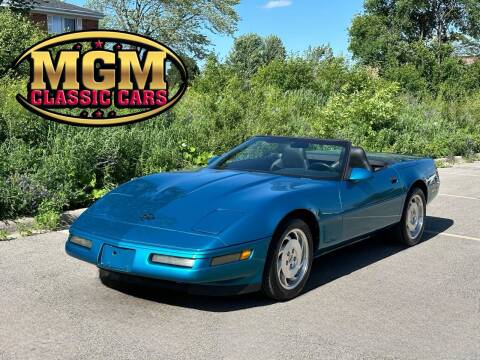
point(335, 165)
point(321, 165)
point(276, 165)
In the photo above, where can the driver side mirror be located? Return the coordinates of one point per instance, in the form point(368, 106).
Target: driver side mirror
point(212, 159)
point(358, 174)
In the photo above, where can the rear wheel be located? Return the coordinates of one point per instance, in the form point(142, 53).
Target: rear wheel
point(411, 227)
point(289, 261)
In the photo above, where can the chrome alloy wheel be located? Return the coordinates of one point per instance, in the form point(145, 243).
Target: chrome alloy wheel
point(292, 259)
point(415, 216)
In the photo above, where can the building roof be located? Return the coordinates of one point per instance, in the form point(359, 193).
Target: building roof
point(63, 8)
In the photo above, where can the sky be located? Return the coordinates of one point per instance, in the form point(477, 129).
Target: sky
point(299, 23)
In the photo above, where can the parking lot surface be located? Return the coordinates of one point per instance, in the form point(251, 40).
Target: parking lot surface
point(372, 300)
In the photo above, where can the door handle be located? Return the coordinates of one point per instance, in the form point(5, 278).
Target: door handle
point(393, 179)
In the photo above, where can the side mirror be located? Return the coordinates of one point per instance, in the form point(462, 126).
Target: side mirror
point(358, 174)
point(212, 159)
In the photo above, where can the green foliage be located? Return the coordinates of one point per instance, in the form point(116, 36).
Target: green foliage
point(20, 6)
point(387, 26)
point(173, 74)
point(274, 49)
point(48, 216)
point(251, 51)
point(48, 220)
point(294, 73)
point(24, 230)
point(192, 157)
point(441, 163)
point(372, 41)
point(417, 43)
point(3, 235)
point(360, 115)
point(97, 193)
point(17, 33)
point(180, 24)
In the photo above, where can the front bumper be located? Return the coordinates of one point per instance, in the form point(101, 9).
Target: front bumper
point(123, 281)
point(240, 274)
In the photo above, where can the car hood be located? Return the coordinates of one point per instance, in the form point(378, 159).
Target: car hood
point(180, 204)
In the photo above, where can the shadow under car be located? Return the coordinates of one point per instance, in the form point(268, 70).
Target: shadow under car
point(326, 268)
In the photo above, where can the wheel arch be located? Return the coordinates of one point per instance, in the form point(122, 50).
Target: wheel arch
point(422, 186)
point(308, 217)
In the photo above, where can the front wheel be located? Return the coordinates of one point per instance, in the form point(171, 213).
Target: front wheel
point(105, 277)
point(289, 261)
point(411, 227)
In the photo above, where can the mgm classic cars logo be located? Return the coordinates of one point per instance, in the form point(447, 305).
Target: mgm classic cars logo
point(101, 78)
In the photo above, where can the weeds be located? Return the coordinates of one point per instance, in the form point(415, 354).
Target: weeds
point(3, 235)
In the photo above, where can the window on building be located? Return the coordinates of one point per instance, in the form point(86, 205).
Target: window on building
point(61, 24)
point(69, 24)
point(55, 24)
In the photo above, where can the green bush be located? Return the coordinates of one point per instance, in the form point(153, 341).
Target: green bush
point(48, 216)
point(16, 35)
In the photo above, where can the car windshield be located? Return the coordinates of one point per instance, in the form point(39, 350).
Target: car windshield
point(288, 156)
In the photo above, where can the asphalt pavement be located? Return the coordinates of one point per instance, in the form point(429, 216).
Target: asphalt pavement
point(372, 300)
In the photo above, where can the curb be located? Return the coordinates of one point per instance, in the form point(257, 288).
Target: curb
point(454, 160)
point(66, 219)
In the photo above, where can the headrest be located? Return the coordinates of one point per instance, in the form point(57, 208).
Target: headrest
point(358, 159)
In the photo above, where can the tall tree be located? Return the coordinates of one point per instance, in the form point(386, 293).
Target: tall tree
point(251, 51)
point(19, 5)
point(184, 25)
point(388, 27)
point(274, 48)
point(17, 33)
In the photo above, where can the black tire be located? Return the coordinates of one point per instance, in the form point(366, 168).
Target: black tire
point(401, 230)
point(272, 284)
point(115, 279)
point(105, 277)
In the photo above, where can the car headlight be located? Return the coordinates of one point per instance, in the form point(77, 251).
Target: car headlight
point(226, 259)
point(80, 241)
point(172, 260)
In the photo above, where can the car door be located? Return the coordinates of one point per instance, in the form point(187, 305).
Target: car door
point(371, 204)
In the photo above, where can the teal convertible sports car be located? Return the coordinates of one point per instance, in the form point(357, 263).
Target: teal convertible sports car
point(255, 217)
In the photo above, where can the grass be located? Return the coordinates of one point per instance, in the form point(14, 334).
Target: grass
point(24, 230)
point(49, 220)
point(3, 235)
point(440, 163)
point(472, 157)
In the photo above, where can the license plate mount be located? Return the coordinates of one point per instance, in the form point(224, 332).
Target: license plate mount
point(117, 258)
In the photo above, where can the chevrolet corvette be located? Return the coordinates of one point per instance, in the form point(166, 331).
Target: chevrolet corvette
point(255, 217)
